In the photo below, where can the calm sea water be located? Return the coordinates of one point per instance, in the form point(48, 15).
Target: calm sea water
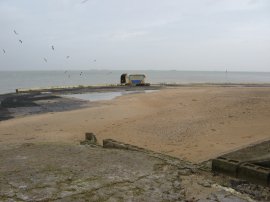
point(10, 80)
point(96, 96)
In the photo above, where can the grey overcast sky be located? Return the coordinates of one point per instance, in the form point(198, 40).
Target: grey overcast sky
point(135, 34)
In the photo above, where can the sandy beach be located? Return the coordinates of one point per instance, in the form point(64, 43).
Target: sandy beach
point(191, 123)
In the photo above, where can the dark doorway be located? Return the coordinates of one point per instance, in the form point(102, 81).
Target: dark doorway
point(123, 78)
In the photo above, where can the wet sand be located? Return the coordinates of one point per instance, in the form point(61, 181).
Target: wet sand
point(192, 123)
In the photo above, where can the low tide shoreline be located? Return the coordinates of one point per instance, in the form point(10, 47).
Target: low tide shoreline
point(31, 101)
point(55, 99)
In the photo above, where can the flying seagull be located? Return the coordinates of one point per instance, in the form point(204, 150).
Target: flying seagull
point(68, 57)
point(20, 41)
point(4, 51)
point(45, 60)
point(84, 1)
point(52, 47)
point(15, 32)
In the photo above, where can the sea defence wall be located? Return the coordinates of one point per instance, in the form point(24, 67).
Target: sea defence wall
point(86, 88)
point(155, 85)
point(61, 88)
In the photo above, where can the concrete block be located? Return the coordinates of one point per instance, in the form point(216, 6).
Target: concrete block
point(254, 173)
point(109, 143)
point(225, 166)
point(91, 137)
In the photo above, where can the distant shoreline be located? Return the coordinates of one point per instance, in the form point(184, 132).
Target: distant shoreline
point(11, 80)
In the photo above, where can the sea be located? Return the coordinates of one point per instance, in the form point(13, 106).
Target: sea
point(11, 80)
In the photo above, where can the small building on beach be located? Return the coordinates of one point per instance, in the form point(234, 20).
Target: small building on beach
point(132, 79)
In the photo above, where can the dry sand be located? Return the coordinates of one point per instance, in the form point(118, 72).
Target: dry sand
point(192, 123)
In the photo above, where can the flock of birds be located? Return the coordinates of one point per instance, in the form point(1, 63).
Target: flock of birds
point(16, 33)
point(52, 47)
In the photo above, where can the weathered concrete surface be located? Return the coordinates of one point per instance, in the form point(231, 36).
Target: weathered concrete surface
point(255, 191)
point(50, 172)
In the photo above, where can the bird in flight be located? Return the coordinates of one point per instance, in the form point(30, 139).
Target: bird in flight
point(4, 51)
point(20, 41)
point(15, 32)
point(45, 60)
point(84, 1)
point(68, 57)
point(52, 47)
point(94, 60)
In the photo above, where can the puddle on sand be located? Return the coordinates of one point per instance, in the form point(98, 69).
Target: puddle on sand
point(99, 96)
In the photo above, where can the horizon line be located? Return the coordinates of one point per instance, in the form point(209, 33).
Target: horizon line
point(161, 70)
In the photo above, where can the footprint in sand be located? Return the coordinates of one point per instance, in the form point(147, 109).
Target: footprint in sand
point(31, 138)
point(7, 134)
point(247, 137)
